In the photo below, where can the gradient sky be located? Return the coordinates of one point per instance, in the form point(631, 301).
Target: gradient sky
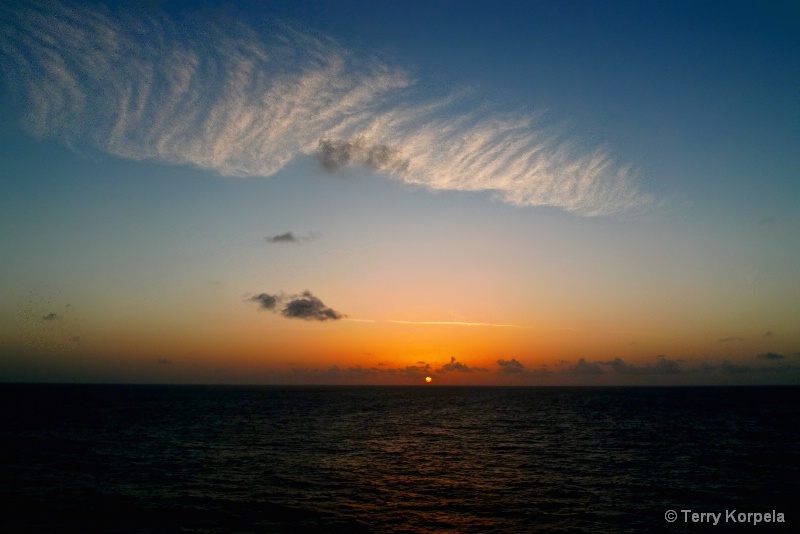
point(375, 192)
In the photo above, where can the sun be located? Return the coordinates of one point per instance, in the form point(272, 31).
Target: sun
point(428, 379)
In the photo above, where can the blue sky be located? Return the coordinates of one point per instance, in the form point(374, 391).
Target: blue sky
point(595, 180)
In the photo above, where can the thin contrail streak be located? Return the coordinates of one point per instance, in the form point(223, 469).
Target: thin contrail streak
point(458, 323)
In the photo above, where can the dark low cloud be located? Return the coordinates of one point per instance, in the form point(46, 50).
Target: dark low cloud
point(164, 361)
point(363, 375)
point(584, 368)
point(663, 366)
point(413, 371)
point(661, 370)
point(266, 300)
point(770, 356)
point(458, 367)
point(335, 154)
point(511, 366)
point(732, 368)
point(308, 307)
point(302, 306)
point(288, 237)
point(617, 366)
point(52, 316)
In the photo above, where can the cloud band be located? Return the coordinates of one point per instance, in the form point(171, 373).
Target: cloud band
point(245, 103)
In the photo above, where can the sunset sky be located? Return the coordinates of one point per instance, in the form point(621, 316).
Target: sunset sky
point(374, 192)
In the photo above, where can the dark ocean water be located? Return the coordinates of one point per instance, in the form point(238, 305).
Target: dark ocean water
point(90, 458)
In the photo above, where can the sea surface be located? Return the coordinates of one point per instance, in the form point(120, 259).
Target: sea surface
point(229, 459)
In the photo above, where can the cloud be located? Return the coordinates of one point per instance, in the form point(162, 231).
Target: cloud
point(244, 102)
point(459, 367)
point(618, 366)
point(164, 361)
point(413, 371)
point(362, 375)
point(732, 368)
point(770, 356)
point(332, 155)
point(288, 237)
point(662, 366)
point(52, 316)
point(663, 371)
point(266, 300)
point(730, 339)
point(307, 306)
point(511, 366)
point(584, 368)
point(301, 306)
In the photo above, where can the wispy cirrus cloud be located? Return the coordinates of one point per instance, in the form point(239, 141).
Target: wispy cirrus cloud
point(245, 102)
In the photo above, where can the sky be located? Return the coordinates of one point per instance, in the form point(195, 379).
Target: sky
point(357, 192)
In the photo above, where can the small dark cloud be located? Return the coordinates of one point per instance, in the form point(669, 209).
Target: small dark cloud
point(542, 370)
point(75, 339)
point(335, 154)
point(415, 371)
point(459, 367)
point(730, 339)
point(767, 334)
point(288, 237)
point(511, 366)
point(308, 307)
point(663, 366)
point(340, 374)
point(734, 369)
point(52, 316)
point(266, 300)
point(291, 237)
point(584, 368)
point(770, 356)
point(303, 306)
point(164, 361)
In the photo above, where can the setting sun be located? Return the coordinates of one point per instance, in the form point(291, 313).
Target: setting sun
point(428, 379)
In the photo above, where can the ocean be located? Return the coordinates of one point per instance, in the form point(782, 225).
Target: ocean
point(242, 459)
